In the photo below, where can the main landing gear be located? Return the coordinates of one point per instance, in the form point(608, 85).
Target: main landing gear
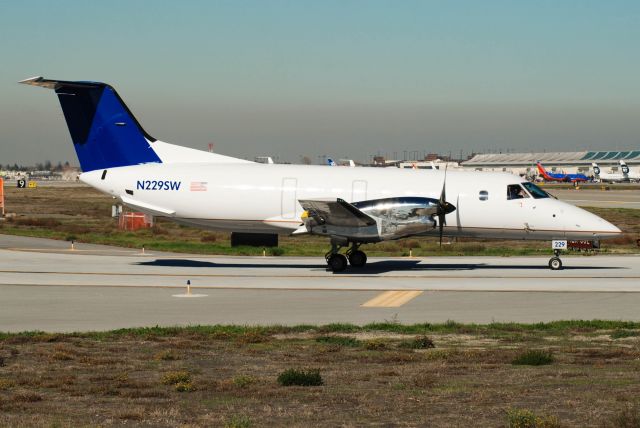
point(338, 262)
point(554, 262)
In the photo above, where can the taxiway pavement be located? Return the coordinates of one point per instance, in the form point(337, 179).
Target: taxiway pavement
point(45, 285)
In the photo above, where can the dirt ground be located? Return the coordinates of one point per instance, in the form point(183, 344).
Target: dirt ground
point(371, 378)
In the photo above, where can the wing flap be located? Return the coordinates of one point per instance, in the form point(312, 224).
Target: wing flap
point(336, 213)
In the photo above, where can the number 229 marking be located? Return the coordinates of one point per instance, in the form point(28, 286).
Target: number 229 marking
point(559, 244)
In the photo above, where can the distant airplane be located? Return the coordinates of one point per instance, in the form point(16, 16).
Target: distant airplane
point(608, 177)
point(627, 173)
point(550, 176)
point(350, 206)
point(331, 162)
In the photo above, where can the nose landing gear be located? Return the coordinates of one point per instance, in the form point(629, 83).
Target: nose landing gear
point(554, 262)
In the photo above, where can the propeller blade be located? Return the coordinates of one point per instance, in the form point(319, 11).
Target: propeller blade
point(443, 205)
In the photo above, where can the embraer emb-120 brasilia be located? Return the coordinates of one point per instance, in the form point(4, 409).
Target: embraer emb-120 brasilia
point(350, 206)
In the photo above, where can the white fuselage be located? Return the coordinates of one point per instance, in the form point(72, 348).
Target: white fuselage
point(251, 197)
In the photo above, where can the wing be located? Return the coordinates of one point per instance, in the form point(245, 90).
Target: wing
point(336, 213)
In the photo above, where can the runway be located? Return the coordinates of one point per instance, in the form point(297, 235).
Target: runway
point(594, 197)
point(46, 286)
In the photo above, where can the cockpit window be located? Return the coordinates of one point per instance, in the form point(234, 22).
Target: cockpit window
point(535, 191)
point(515, 191)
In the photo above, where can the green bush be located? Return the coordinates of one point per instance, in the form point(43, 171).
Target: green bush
point(621, 334)
point(339, 340)
point(300, 377)
point(174, 378)
point(243, 381)
point(239, 421)
point(375, 345)
point(534, 357)
point(418, 342)
point(525, 418)
point(276, 251)
point(184, 387)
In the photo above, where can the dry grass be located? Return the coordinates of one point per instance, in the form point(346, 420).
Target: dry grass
point(466, 380)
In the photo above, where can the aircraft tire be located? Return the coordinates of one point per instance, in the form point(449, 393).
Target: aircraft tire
point(357, 258)
point(555, 263)
point(337, 262)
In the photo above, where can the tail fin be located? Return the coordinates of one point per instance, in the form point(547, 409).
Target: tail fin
point(541, 170)
point(624, 167)
point(596, 169)
point(105, 133)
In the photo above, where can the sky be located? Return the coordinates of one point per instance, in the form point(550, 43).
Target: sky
point(345, 79)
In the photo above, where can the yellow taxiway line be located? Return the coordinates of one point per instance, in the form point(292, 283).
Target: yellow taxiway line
point(392, 299)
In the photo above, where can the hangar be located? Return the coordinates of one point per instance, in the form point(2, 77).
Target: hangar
point(569, 162)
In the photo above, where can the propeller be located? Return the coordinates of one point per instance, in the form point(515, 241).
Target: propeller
point(443, 208)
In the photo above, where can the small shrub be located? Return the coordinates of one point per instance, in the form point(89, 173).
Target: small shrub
point(184, 387)
point(525, 418)
point(122, 377)
point(38, 222)
point(173, 378)
point(71, 238)
point(6, 384)
point(27, 397)
point(239, 421)
point(276, 251)
point(621, 334)
point(339, 340)
point(209, 237)
point(375, 345)
point(167, 355)
point(423, 380)
point(61, 355)
point(418, 342)
point(243, 381)
point(534, 357)
point(629, 417)
point(252, 337)
point(300, 377)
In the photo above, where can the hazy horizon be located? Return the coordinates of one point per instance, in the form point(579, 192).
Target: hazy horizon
point(345, 79)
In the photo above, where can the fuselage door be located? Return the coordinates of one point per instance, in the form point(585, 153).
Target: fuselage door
point(289, 202)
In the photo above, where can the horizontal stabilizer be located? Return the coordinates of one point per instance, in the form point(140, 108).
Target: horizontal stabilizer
point(145, 207)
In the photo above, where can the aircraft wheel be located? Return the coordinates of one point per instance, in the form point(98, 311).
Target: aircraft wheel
point(555, 263)
point(337, 262)
point(357, 258)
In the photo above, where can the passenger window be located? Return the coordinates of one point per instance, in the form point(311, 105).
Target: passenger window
point(483, 195)
point(515, 191)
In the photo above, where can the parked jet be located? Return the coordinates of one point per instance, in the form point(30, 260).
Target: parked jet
point(627, 173)
point(550, 176)
point(608, 177)
point(350, 206)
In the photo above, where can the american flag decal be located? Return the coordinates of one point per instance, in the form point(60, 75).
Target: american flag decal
point(198, 186)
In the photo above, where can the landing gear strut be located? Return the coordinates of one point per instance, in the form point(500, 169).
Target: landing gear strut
point(338, 262)
point(554, 262)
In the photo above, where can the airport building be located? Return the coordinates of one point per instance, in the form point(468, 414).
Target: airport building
point(568, 162)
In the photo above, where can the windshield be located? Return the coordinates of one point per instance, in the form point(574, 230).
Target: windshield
point(535, 191)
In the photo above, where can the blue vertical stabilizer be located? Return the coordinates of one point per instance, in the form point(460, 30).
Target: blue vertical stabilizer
point(104, 132)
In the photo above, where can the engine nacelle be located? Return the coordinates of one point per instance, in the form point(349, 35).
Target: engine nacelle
point(394, 218)
point(400, 217)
